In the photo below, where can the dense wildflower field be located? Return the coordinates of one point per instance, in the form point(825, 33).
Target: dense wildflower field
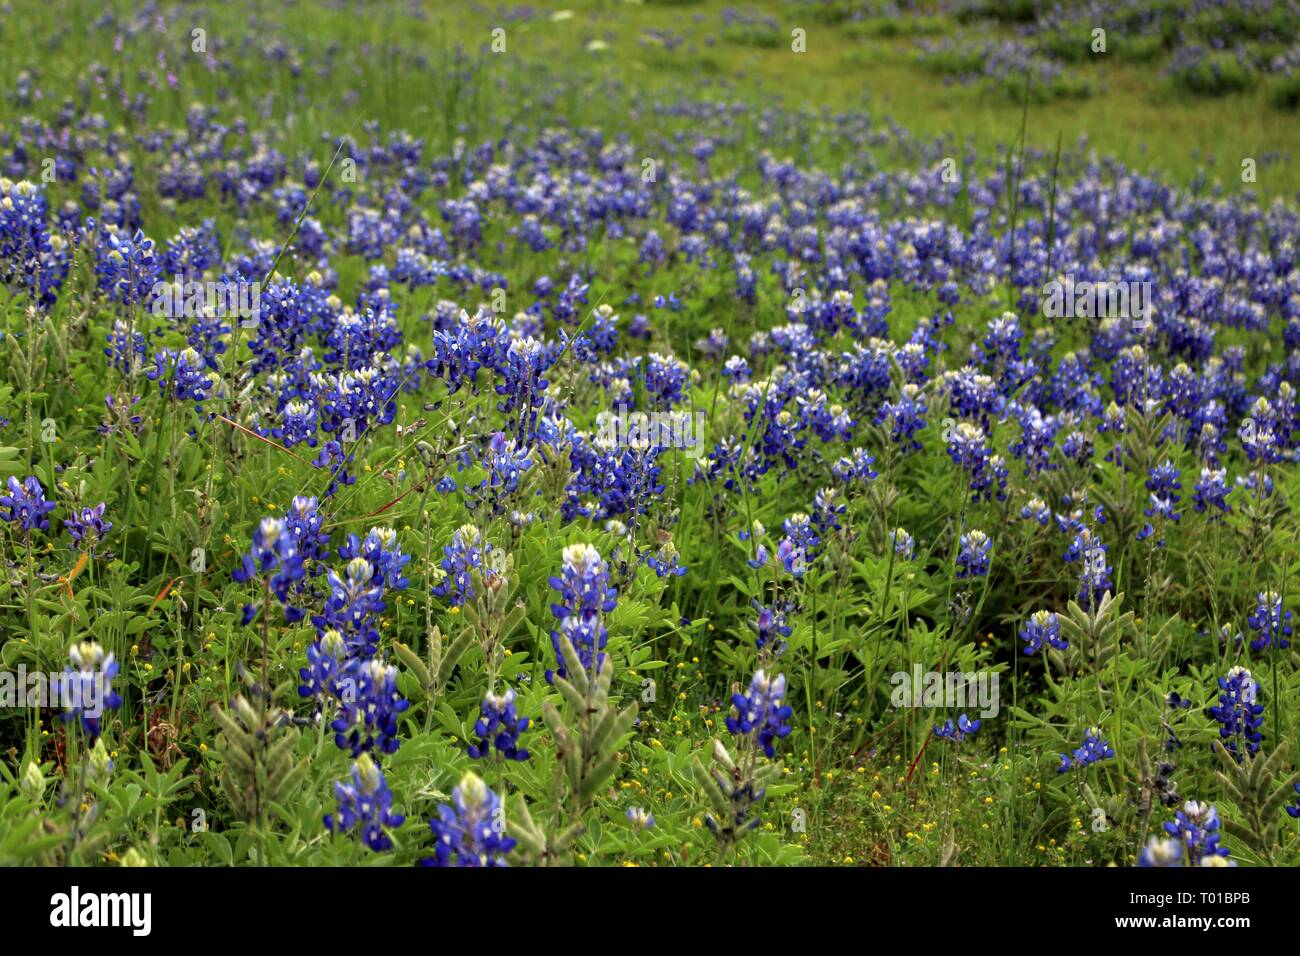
point(822, 432)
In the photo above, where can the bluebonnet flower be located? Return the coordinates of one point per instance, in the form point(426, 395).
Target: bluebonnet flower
point(973, 557)
point(792, 557)
point(1093, 749)
point(88, 527)
point(126, 349)
point(585, 598)
point(328, 664)
point(1094, 570)
point(31, 255)
point(383, 553)
point(86, 689)
point(126, 267)
point(499, 726)
point(299, 424)
point(522, 383)
point(1160, 852)
point(828, 505)
point(1037, 510)
point(25, 504)
point(769, 625)
point(1272, 625)
point(1258, 439)
point(187, 372)
point(1043, 628)
point(640, 818)
point(371, 705)
point(666, 378)
point(273, 549)
point(1212, 491)
point(1239, 714)
point(365, 805)
point(1165, 485)
point(760, 713)
point(965, 727)
point(973, 395)
point(968, 449)
point(664, 562)
point(828, 421)
point(303, 521)
point(1196, 827)
point(353, 606)
point(1227, 638)
point(505, 463)
point(466, 552)
point(905, 417)
point(801, 532)
point(902, 543)
point(1293, 808)
point(472, 831)
point(737, 369)
point(858, 467)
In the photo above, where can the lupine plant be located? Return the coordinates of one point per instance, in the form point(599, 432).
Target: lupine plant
point(574, 465)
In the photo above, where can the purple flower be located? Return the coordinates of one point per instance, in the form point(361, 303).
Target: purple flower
point(769, 625)
point(499, 726)
point(86, 689)
point(1238, 713)
point(273, 552)
point(88, 527)
point(371, 705)
point(365, 806)
point(760, 713)
point(26, 505)
point(585, 597)
point(965, 727)
point(1212, 491)
point(1042, 628)
point(1196, 827)
point(472, 831)
point(1093, 749)
point(466, 552)
point(1271, 624)
point(1037, 510)
point(640, 818)
point(973, 557)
